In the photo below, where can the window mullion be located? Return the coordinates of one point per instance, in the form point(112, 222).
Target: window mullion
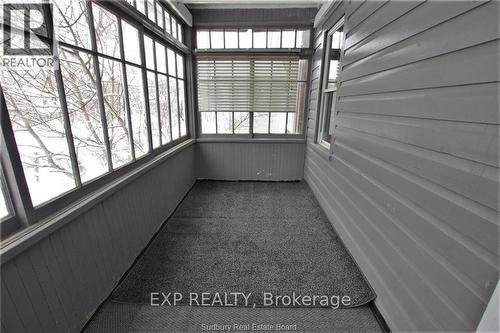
point(177, 94)
point(62, 100)
point(157, 93)
point(145, 86)
point(125, 88)
point(67, 123)
point(100, 93)
point(13, 169)
point(169, 104)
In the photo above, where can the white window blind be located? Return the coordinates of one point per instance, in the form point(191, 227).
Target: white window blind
point(248, 82)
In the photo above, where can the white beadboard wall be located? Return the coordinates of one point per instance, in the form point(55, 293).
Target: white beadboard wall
point(57, 283)
point(269, 161)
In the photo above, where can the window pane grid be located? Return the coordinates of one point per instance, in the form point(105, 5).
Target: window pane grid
point(93, 111)
point(332, 57)
point(246, 38)
point(157, 13)
point(248, 84)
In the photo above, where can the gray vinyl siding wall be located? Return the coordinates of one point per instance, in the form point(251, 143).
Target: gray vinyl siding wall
point(57, 283)
point(412, 186)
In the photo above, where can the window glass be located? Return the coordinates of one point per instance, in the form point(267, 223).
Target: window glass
point(141, 6)
point(37, 121)
point(203, 39)
point(182, 108)
point(167, 23)
point(278, 123)
point(159, 15)
point(174, 113)
point(224, 122)
point(335, 43)
point(148, 50)
point(131, 43)
point(241, 122)
point(288, 39)
point(163, 93)
point(274, 39)
point(71, 22)
point(303, 38)
point(161, 60)
point(137, 110)
point(116, 115)
point(171, 62)
point(208, 123)
point(328, 109)
point(261, 122)
point(153, 109)
point(245, 38)
point(231, 39)
point(151, 10)
point(332, 54)
point(217, 39)
point(106, 28)
point(259, 39)
point(180, 66)
point(174, 26)
point(77, 69)
point(292, 127)
point(179, 32)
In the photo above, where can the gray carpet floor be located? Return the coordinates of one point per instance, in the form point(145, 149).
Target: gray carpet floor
point(123, 318)
point(249, 237)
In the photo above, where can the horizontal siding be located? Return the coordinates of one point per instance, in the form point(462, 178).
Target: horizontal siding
point(250, 161)
point(57, 284)
point(412, 185)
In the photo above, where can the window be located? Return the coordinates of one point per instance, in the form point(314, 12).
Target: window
point(157, 13)
point(166, 93)
point(243, 38)
point(137, 110)
point(233, 88)
point(332, 57)
point(106, 32)
point(37, 121)
point(131, 43)
point(77, 120)
point(78, 74)
point(71, 25)
point(116, 114)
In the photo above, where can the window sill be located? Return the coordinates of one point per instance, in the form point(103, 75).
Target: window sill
point(26, 237)
point(321, 150)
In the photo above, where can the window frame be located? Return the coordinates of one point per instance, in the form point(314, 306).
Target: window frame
point(22, 212)
point(324, 90)
point(265, 29)
point(303, 53)
point(165, 9)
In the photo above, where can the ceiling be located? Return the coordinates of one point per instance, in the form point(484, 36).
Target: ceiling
point(227, 4)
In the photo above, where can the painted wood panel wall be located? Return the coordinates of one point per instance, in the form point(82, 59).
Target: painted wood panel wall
point(58, 283)
point(250, 161)
point(412, 185)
